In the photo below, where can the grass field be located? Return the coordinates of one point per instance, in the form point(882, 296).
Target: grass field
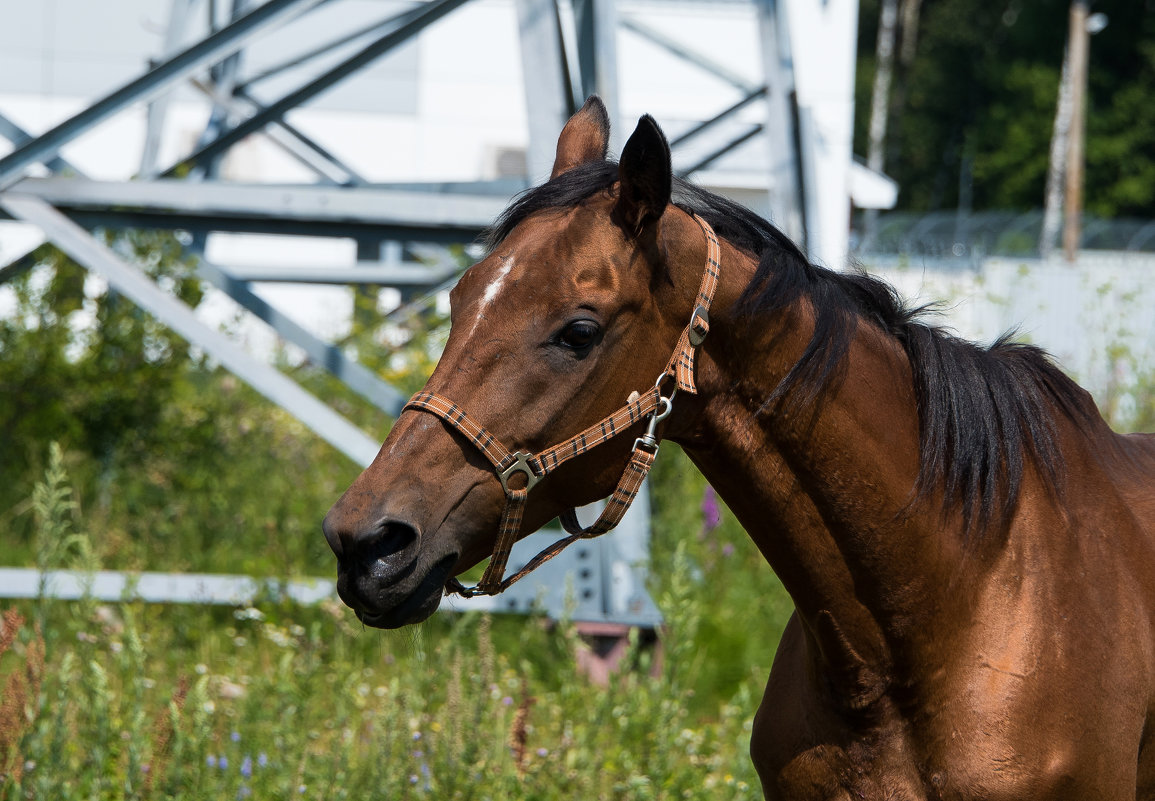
point(109, 701)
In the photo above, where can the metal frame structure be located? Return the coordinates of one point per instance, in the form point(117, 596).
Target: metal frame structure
point(568, 50)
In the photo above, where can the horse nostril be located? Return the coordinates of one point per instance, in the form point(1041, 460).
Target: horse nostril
point(383, 541)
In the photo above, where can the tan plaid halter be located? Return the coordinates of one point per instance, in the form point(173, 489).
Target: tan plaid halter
point(651, 404)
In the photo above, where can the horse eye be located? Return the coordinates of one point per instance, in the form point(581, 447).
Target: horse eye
point(579, 334)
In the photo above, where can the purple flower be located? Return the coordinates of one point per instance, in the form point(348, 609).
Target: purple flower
point(262, 759)
point(223, 763)
point(413, 778)
point(711, 510)
point(211, 761)
point(247, 767)
point(235, 737)
point(543, 752)
point(507, 701)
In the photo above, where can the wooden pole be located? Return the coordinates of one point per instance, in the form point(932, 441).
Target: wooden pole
point(880, 103)
point(1057, 166)
point(1073, 202)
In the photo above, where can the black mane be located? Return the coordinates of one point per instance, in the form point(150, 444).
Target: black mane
point(983, 411)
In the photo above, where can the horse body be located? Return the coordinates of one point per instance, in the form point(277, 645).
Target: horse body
point(970, 550)
point(916, 667)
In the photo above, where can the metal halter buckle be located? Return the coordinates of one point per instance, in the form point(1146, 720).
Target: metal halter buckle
point(699, 326)
point(520, 465)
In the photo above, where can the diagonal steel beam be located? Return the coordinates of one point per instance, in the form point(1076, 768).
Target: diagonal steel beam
point(293, 142)
point(717, 118)
point(416, 20)
point(685, 53)
point(27, 260)
point(137, 287)
point(225, 41)
point(713, 156)
point(384, 25)
point(18, 136)
point(157, 113)
point(360, 379)
point(352, 177)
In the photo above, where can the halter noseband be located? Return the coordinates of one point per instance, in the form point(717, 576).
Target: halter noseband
point(534, 467)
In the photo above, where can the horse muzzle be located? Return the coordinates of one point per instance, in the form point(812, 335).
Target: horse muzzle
point(382, 574)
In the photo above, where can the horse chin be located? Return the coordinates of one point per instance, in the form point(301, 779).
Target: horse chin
point(412, 607)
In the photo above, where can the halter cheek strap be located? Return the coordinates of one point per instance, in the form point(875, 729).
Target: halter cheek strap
point(507, 465)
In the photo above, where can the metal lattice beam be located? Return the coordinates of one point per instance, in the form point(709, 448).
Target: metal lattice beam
point(137, 287)
point(222, 43)
point(415, 21)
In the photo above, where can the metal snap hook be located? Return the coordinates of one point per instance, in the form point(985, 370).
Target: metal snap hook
point(648, 441)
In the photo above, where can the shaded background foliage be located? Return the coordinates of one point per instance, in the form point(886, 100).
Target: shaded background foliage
point(976, 105)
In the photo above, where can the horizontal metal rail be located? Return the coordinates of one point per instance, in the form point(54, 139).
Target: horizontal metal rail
point(440, 215)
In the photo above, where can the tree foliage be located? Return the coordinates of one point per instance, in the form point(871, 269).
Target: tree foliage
point(178, 465)
point(973, 112)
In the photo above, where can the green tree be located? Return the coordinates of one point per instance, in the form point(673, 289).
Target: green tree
point(973, 112)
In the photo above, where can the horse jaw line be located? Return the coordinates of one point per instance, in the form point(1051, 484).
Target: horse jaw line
point(490, 293)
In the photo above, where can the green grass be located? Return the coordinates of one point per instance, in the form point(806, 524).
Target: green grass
point(134, 701)
point(110, 701)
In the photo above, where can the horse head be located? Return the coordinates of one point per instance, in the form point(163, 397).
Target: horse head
point(574, 311)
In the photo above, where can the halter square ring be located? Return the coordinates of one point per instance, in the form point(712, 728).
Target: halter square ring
point(521, 464)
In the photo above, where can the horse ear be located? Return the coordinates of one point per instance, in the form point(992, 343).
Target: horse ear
point(586, 137)
point(645, 175)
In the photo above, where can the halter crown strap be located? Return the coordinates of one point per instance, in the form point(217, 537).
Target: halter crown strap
point(682, 362)
point(651, 404)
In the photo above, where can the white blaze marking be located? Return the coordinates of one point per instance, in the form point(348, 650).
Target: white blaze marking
point(490, 293)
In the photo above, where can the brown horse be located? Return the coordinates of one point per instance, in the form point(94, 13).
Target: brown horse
point(970, 549)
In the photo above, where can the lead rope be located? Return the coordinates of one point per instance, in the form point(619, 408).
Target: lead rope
point(535, 467)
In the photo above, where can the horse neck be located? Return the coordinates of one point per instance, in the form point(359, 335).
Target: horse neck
point(821, 490)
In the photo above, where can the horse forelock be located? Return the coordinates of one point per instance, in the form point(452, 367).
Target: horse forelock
point(984, 412)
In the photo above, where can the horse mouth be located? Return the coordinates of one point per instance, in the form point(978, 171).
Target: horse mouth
point(415, 606)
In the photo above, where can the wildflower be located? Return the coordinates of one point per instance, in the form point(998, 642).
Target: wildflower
point(711, 510)
point(416, 735)
point(247, 767)
point(413, 778)
point(211, 761)
point(418, 754)
point(262, 759)
point(223, 762)
point(235, 737)
point(301, 789)
point(543, 752)
point(507, 701)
